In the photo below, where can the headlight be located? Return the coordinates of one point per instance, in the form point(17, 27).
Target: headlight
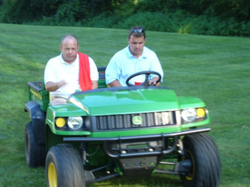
point(75, 123)
point(188, 114)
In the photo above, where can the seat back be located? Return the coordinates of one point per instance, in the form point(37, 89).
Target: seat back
point(101, 81)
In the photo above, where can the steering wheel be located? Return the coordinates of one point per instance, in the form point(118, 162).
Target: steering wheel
point(146, 82)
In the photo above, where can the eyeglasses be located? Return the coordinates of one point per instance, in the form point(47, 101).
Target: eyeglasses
point(137, 30)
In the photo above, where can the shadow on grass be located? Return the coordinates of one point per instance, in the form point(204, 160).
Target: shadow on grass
point(156, 180)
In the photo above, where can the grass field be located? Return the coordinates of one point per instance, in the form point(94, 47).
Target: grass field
point(215, 69)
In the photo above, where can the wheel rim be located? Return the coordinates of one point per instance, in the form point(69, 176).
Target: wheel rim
point(52, 177)
point(192, 173)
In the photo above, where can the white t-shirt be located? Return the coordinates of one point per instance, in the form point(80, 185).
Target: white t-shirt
point(57, 69)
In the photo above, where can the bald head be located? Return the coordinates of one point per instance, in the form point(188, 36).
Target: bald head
point(69, 37)
point(69, 48)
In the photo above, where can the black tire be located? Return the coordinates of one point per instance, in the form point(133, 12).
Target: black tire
point(34, 153)
point(64, 167)
point(206, 164)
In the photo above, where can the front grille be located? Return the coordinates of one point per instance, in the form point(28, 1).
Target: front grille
point(156, 119)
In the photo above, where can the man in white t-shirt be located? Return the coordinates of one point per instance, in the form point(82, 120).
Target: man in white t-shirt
point(69, 72)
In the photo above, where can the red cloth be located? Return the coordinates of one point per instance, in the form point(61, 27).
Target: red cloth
point(84, 72)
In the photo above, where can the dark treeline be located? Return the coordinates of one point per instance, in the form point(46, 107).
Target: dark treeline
point(213, 17)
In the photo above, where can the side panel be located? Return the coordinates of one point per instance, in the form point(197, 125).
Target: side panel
point(38, 93)
point(38, 121)
point(34, 110)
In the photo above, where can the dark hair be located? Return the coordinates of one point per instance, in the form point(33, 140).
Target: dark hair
point(137, 31)
point(70, 36)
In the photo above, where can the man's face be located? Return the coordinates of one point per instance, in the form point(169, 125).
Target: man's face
point(69, 49)
point(136, 45)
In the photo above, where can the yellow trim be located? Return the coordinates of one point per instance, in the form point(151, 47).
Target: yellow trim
point(36, 94)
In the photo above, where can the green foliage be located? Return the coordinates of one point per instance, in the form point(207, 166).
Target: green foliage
point(14, 11)
point(150, 20)
point(60, 11)
point(104, 20)
point(222, 17)
point(125, 9)
point(220, 27)
point(153, 6)
point(184, 22)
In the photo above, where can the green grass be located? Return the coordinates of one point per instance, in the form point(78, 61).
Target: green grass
point(215, 69)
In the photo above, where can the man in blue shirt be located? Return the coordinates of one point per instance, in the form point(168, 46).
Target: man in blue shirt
point(132, 59)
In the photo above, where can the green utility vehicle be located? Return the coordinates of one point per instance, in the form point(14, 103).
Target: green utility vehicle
point(126, 131)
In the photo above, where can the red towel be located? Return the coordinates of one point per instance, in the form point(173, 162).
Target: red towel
point(84, 72)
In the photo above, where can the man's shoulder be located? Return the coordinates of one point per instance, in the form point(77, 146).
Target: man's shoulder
point(148, 52)
point(146, 49)
point(122, 52)
point(58, 57)
point(54, 60)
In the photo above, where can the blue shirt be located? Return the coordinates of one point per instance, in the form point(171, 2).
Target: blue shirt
point(123, 64)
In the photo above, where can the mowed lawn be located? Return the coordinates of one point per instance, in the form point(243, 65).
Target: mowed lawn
point(215, 69)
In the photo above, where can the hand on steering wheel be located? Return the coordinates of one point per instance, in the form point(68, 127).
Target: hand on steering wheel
point(146, 81)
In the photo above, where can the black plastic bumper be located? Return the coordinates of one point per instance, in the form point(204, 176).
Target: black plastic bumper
point(120, 140)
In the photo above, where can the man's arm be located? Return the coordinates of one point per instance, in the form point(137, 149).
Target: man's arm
point(53, 86)
point(115, 83)
point(94, 84)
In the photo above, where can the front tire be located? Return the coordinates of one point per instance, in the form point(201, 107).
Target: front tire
point(64, 167)
point(204, 156)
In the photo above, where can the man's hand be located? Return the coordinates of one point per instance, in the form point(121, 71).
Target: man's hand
point(154, 80)
point(94, 84)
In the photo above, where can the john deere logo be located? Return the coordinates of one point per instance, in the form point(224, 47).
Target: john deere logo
point(137, 120)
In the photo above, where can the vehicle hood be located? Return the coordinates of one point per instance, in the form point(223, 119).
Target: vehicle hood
point(125, 100)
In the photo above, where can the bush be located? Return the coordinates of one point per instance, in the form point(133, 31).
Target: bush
point(105, 20)
point(179, 21)
point(216, 26)
point(150, 20)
